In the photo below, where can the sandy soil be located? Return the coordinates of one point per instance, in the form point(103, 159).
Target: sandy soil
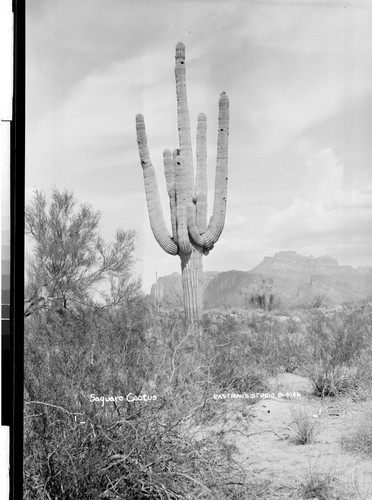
point(262, 434)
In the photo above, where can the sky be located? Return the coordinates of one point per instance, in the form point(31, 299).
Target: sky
point(299, 79)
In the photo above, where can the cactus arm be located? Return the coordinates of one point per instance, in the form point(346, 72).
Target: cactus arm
point(157, 221)
point(183, 118)
point(201, 174)
point(181, 205)
point(170, 177)
point(217, 220)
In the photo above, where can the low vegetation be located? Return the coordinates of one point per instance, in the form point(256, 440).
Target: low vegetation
point(359, 441)
point(304, 426)
point(340, 351)
point(148, 449)
point(323, 482)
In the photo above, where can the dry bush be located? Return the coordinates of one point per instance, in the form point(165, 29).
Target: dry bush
point(324, 483)
point(338, 341)
point(318, 485)
point(360, 440)
point(304, 426)
point(93, 352)
point(228, 353)
point(275, 343)
point(138, 457)
point(132, 450)
point(339, 380)
point(291, 345)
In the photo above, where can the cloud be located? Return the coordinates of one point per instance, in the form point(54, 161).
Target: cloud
point(325, 211)
point(324, 176)
point(298, 65)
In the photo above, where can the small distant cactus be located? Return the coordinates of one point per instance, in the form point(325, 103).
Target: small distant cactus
point(191, 235)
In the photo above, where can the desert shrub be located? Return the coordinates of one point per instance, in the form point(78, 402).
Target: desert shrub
point(276, 344)
point(360, 440)
point(147, 457)
point(290, 345)
point(261, 339)
point(340, 337)
point(216, 357)
point(291, 352)
point(304, 426)
point(70, 261)
point(135, 450)
point(337, 342)
point(325, 483)
point(67, 358)
point(319, 485)
point(228, 356)
point(338, 380)
point(96, 351)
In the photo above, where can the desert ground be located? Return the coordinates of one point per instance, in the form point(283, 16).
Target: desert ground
point(264, 439)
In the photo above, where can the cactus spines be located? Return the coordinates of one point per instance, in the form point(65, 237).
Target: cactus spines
point(191, 235)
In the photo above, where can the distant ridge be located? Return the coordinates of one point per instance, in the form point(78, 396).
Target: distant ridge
point(293, 261)
point(292, 278)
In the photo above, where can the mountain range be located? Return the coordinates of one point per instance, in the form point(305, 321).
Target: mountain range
point(290, 278)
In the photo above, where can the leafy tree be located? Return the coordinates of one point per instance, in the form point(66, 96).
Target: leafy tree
point(70, 261)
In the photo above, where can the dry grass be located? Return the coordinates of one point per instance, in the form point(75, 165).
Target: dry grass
point(325, 482)
point(318, 485)
point(333, 381)
point(360, 441)
point(304, 425)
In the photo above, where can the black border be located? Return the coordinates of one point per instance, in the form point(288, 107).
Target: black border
point(17, 205)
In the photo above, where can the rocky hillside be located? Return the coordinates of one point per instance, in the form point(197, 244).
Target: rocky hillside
point(289, 277)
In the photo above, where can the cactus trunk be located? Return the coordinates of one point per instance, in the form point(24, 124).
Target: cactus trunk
point(191, 236)
point(192, 284)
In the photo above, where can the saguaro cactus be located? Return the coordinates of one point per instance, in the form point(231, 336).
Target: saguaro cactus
point(191, 235)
